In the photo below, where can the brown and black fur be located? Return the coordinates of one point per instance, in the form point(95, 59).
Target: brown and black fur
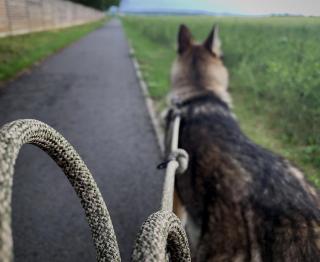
point(239, 201)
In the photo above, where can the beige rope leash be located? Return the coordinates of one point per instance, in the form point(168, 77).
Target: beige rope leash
point(12, 137)
point(161, 236)
point(177, 163)
point(166, 234)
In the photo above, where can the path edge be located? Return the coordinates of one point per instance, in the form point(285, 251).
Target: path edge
point(158, 130)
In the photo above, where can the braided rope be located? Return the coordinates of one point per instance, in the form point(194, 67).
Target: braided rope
point(161, 236)
point(18, 133)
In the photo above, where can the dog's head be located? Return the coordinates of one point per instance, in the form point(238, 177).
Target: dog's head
point(199, 67)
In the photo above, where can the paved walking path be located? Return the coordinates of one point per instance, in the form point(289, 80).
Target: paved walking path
point(90, 94)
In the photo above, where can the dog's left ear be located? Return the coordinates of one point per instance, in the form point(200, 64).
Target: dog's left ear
point(213, 42)
point(184, 39)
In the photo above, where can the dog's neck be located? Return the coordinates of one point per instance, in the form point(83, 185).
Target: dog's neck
point(189, 92)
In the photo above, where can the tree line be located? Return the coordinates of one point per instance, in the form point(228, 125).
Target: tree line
point(98, 4)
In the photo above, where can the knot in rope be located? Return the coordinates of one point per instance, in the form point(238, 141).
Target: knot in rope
point(182, 157)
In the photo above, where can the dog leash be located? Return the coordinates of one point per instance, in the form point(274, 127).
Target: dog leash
point(161, 235)
point(176, 162)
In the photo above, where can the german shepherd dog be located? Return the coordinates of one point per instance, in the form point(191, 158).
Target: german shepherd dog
point(237, 200)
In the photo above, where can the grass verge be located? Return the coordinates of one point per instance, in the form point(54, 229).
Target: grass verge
point(20, 52)
point(273, 65)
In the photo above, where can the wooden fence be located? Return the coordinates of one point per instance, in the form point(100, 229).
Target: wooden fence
point(24, 16)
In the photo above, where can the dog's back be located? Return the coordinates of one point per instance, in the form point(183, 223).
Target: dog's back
point(244, 203)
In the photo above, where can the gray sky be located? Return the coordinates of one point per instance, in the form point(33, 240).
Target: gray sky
point(246, 7)
point(305, 7)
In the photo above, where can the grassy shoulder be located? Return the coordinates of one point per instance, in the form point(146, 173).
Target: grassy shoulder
point(20, 52)
point(273, 71)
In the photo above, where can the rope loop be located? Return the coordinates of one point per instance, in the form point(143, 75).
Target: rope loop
point(162, 237)
point(12, 137)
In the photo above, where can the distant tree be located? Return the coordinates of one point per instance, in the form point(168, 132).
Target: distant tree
point(98, 4)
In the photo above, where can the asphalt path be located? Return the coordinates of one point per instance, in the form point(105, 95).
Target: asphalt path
point(90, 94)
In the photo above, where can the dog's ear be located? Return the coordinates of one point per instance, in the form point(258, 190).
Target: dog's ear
point(184, 39)
point(213, 43)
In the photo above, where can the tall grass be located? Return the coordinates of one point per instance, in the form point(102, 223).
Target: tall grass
point(274, 66)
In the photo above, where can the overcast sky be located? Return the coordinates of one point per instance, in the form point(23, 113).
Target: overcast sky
point(245, 7)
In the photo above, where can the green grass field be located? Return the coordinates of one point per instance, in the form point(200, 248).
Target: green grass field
point(20, 52)
point(274, 66)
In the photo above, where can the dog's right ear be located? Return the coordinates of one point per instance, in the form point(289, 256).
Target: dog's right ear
point(184, 39)
point(213, 42)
